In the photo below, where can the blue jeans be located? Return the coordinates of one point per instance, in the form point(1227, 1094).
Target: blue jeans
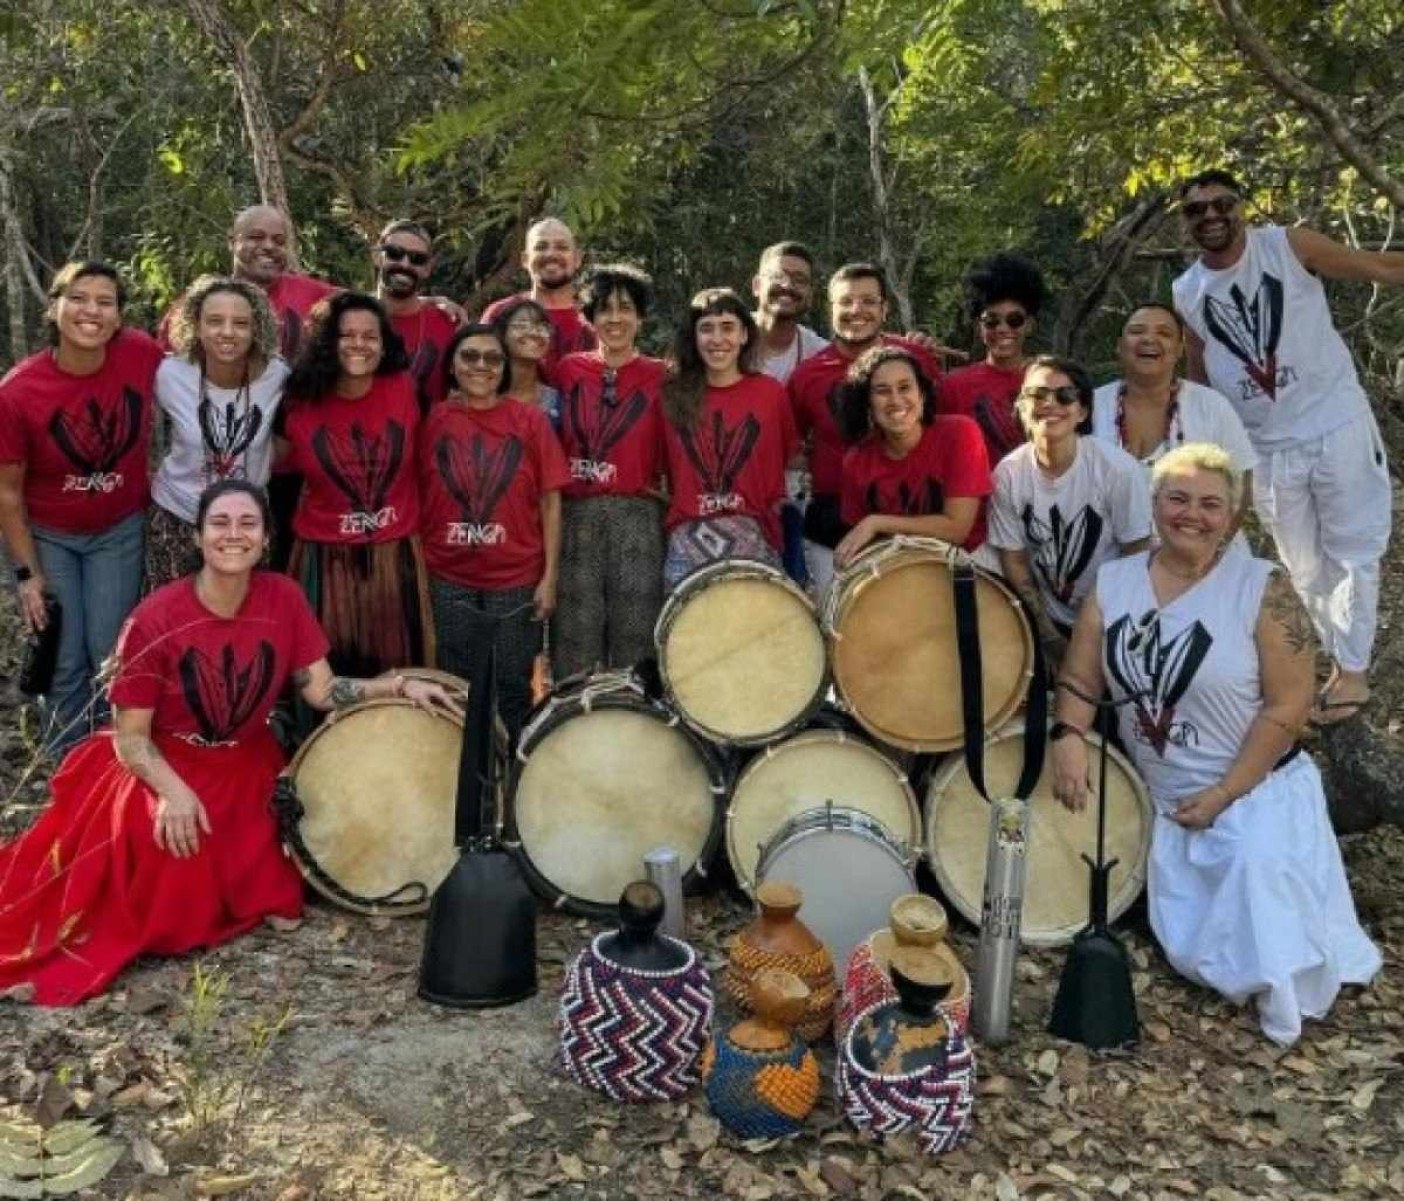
point(97, 580)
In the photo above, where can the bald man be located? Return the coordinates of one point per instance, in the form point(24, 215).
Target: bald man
point(552, 259)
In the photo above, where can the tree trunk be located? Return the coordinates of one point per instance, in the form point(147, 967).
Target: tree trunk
point(14, 268)
point(1364, 773)
point(896, 265)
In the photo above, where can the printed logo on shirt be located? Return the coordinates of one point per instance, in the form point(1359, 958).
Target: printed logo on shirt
point(95, 439)
point(289, 334)
point(227, 434)
point(1157, 673)
point(477, 478)
point(363, 468)
point(925, 500)
point(223, 694)
point(598, 429)
point(425, 359)
point(998, 424)
point(1062, 549)
point(1251, 331)
point(719, 455)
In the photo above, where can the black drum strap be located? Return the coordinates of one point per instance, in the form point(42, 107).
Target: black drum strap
point(972, 692)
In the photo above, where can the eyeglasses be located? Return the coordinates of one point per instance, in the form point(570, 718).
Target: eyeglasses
point(1012, 320)
point(398, 254)
point(609, 391)
point(534, 329)
point(1221, 206)
point(485, 358)
point(1066, 395)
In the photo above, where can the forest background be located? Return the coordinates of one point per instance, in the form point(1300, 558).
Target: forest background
point(685, 135)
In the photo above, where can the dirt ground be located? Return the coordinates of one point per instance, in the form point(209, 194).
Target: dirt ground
point(300, 1065)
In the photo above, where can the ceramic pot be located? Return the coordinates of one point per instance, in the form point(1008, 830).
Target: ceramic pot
point(778, 939)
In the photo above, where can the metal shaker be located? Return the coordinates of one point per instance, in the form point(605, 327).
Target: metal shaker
point(1006, 868)
point(664, 869)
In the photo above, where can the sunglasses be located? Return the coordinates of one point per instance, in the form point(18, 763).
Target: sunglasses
point(398, 254)
point(487, 358)
point(1065, 396)
point(1221, 206)
point(1012, 320)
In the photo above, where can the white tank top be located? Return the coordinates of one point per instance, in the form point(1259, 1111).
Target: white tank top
point(1269, 343)
point(1195, 661)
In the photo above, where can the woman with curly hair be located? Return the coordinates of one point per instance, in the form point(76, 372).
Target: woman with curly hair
point(728, 434)
point(909, 471)
point(1004, 294)
point(351, 427)
point(219, 392)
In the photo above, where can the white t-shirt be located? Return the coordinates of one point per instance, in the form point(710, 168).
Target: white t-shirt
point(781, 366)
point(1072, 524)
point(1203, 415)
point(226, 434)
point(1270, 345)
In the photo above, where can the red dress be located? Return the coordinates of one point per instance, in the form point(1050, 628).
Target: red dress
point(86, 890)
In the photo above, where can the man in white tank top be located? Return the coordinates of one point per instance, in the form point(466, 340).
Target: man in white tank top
point(1260, 332)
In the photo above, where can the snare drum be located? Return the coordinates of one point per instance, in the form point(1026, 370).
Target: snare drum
point(741, 653)
point(890, 622)
point(850, 868)
point(603, 776)
point(377, 784)
point(1056, 892)
point(805, 772)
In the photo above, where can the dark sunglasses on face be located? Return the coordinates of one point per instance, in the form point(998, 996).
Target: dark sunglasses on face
point(1222, 206)
point(1065, 396)
point(398, 254)
point(487, 358)
point(995, 320)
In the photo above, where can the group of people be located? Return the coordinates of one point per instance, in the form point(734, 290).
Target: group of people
point(439, 484)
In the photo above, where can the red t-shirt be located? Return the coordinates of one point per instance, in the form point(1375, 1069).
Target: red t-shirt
point(482, 474)
point(815, 390)
point(356, 458)
point(214, 679)
point(615, 449)
point(733, 462)
point(986, 395)
point(292, 297)
point(426, 335)
point(82, 438)
point(948, 462)
point(570, 332)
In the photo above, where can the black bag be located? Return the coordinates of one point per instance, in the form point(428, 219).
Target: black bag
point(41, 651)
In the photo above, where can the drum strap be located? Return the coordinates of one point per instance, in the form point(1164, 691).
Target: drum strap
point(972, 692)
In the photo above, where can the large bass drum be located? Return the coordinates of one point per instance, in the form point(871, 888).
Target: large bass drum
point(1056, 890)
point(741, 653)
point(603, 776)
point(890, 622)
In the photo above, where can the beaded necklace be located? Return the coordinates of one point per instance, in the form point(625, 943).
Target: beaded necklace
point(1172, 421)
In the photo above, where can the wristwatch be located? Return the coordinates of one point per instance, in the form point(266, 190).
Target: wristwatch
point(1060, 729)
point(23, 574)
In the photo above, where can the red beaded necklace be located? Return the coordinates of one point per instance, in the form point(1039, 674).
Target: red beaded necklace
point(1172, 419)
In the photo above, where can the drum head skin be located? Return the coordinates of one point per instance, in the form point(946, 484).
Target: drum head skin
point(596, 791)
point(741, 654)
point(893, 637)
point(378, 784)
point(805, 772)
point(1056, 891)
point(849, 873)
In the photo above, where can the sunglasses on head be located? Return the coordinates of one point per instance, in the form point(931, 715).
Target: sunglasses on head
point(1066, 395)
point(1221, 206)
point(398, 254)
point(1012, 320)
point(488, 358)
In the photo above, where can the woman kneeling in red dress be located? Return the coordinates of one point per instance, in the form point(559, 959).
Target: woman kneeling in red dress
point(160, 838)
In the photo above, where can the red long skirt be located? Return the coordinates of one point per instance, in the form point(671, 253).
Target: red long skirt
point(86, 890)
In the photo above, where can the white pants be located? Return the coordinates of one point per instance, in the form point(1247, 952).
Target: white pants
point(1326, 503)
point(819, 561)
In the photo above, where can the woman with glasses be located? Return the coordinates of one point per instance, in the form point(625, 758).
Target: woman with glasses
point(1004, 294)
point(526, 331)
point(611, 584)
point(1063, 503)
point(352, 418)
point(1213, 657)
point(491, 474)
point(220, 393)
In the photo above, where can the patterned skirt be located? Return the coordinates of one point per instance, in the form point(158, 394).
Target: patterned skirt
point(372, 601)
point(171, 550)
point(696, 544)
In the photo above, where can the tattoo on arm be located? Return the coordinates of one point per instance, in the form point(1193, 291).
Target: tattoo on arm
point(344, 692)
point(1284, 607)
point(139, 754)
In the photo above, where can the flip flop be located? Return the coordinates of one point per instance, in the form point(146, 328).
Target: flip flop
point(1347, 710)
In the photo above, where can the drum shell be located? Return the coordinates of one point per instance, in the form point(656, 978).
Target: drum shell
point(1055, 905)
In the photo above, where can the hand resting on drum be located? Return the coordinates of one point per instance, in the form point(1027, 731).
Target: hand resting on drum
point(321, 689)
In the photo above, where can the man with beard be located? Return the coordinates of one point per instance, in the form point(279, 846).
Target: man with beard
point(784, 287)
point(1260, 332)
point(857, 311)
point(552, 259)
point(403, 257)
